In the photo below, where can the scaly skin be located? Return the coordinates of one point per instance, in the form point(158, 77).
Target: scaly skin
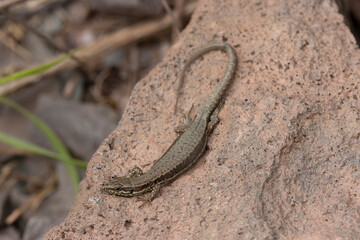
point(187, 148)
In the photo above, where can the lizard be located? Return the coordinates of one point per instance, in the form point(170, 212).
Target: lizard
point(188, 146)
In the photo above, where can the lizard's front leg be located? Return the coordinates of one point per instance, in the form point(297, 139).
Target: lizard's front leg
point(150, 196)
point(135, 172)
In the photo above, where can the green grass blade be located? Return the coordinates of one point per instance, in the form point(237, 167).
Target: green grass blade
point(20, 144)
point(55, 141)
point(32, 71)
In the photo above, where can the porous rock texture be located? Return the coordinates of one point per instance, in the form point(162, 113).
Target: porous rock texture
point(283, 163)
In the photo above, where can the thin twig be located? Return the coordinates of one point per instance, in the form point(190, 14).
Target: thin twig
point(48, 41)
point(34, 202)
point(99, 48)
point(178, 11)
point(43, 37)
point(6, 171)
point(5, 5)
point(174, 20)
point(25, 9)
point(11, 44)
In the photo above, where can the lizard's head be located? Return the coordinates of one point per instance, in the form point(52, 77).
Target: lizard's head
point(119, 186)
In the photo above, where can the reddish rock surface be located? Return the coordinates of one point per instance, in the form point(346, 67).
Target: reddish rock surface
point(284, 162)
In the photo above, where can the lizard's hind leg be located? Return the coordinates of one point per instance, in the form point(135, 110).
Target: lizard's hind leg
point(187, 121)
point(214, 119)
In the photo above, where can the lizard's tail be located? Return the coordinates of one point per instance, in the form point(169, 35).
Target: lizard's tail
point(225, 81)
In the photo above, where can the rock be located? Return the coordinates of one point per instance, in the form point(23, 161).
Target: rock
point(9, 233)
point(283, 163)
point(5, 204)
point(76, 123)
point(53, 209)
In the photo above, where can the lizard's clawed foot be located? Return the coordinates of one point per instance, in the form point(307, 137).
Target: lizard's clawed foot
point(181, 127)
point(151, 195)
point(135, 172)
point(214, 119)
point(187, 122)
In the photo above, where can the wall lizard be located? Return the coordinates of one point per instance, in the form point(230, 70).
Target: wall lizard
point(189, 145)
